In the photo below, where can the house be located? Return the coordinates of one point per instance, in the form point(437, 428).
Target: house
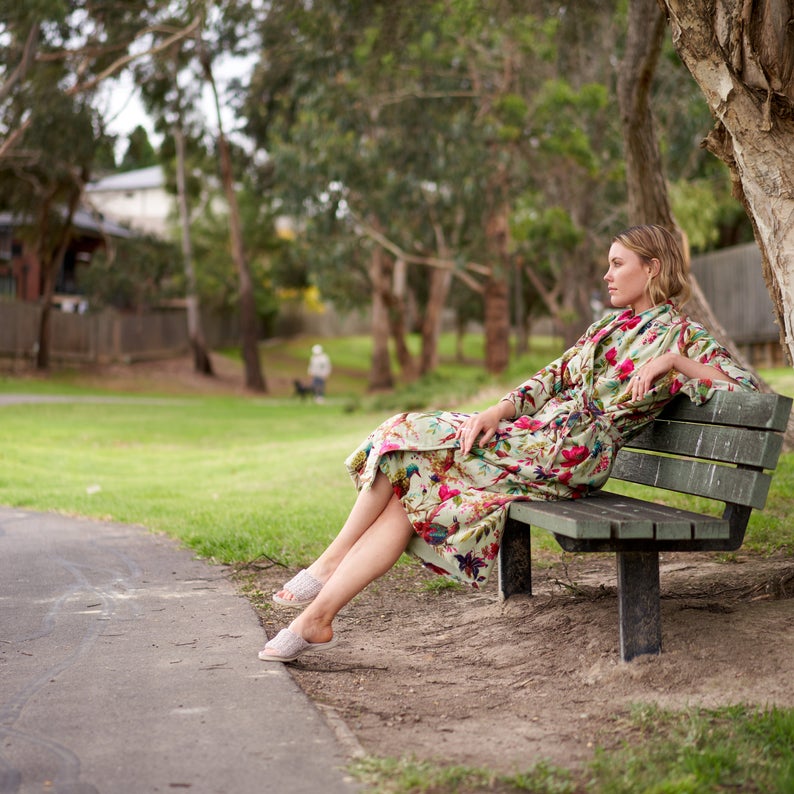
point(21, 276)
point(137, 199)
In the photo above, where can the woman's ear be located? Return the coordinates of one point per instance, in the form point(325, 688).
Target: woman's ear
point(654, 267)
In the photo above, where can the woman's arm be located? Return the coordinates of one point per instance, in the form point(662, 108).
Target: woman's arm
point(643, 379)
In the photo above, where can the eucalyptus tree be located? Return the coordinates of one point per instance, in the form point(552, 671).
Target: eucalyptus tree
point(54, 56)
point(408, 123)
point(42, 182)
point(741, 56)
point(172, 84)
point(168, 100)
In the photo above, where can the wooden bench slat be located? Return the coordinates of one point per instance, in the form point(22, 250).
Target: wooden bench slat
point(739, 486)
point(567, 519)
point(625, 516)
point(667, 523)
point(736, 409)
point(673, 523)
point(729, 445)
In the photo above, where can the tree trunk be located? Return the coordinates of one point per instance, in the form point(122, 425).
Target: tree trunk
point(648, 197)
point(254, 378)
point(496, 296)
point(497, 326)
point(520, 319)
point(396, 300)
point(201, 358)
point(50, 261)
point(380, 376)
point(740, 55)
point(440, 283)
point(645, 183)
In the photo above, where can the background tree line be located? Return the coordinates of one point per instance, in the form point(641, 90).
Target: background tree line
point(440, 155)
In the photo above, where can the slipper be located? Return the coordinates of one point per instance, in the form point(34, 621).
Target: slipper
point(303, 586)
point(289, 646)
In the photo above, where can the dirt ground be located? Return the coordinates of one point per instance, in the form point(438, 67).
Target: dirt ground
point(455, 675)
point(458, 676)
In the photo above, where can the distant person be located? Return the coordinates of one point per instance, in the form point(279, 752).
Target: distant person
point(439, 484)
point(319, 371)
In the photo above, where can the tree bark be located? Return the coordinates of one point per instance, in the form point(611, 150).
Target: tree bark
point(741, 56)
point(380, 375)
point(440, 283)
point(50, 263)
point(496, 296)
point(645, 182)
point(254, 379)
point(198, 345)
point(396, 300)
point(497, 326)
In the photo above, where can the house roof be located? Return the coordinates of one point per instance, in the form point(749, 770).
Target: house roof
point(84, 221)
point(140, 179)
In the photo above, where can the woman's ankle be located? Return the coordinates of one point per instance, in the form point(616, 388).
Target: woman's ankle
point(312, 630)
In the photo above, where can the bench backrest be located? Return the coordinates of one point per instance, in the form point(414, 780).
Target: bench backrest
point(718, 450)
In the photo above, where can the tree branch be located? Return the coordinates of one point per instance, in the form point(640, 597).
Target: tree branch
point(415, 259)
point(119, 63)
point(24, 62)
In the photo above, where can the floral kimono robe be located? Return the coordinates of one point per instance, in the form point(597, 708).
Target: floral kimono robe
point(570, 419)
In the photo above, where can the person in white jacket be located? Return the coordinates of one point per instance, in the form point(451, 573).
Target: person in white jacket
point(319, 371)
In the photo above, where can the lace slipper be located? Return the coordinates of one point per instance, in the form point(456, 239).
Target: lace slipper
point(288, 646)
point(303, 586)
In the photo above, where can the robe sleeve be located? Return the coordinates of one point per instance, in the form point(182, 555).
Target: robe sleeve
point(535, 392)
point(698, 344)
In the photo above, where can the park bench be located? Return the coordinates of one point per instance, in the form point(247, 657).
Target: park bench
point(724, 450)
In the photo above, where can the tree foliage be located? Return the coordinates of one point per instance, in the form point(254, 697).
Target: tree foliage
point(432, 157)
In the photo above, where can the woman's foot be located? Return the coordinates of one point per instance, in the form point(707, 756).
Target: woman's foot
point(288, 645)
point(299, 591)
point(301, 636)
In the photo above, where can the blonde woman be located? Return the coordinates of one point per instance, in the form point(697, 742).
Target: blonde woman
point(439, 484)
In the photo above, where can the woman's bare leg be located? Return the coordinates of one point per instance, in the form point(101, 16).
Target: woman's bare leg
point(374, 553)
point(368, 506)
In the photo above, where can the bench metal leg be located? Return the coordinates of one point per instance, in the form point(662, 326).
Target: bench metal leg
point(515, 560)
point(639, 607)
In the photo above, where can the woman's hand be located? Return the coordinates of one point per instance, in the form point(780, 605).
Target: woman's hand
point(482, 425)
point(643, 379)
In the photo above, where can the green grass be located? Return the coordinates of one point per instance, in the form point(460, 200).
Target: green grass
point(409, 776)
point(233, 478)
point(694, 751)
point(698, 751)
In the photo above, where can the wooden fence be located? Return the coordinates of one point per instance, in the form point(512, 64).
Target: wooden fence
point(733, 283)
point(106, 336)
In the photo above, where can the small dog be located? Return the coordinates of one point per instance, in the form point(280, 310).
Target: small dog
point(302, 390)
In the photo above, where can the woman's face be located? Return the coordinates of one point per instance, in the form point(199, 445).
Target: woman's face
point(627, 279)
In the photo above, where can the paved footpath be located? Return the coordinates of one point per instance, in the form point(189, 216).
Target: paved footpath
point(127, 667)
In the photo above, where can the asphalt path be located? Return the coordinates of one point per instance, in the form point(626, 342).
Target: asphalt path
point(128, 666)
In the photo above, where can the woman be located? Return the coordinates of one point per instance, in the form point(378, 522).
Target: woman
point(439, 484)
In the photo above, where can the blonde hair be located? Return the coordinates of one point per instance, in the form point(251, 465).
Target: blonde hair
point(655, 242)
